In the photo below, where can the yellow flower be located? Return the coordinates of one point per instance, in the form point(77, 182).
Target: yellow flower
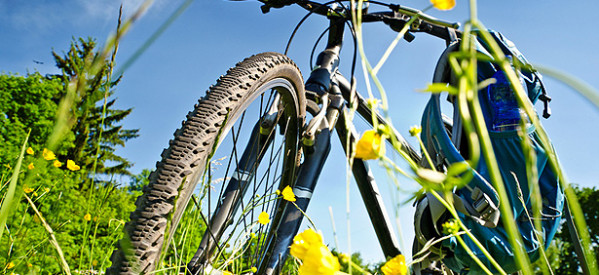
point(443, 4)
point(27, 189)
point(87, 217)
point(29, 265)
point(372, 103)
point(48, 155)
point(370, 145)
point(303, 241)
point(57, 163)
point(72, 166)
point(415, 130)
point(30, 151)
point(319, 260)
point(316, 258)
point(30, 166)
point(288, 194)
point(263, 218)
point(95, 262)
point(344, 258)
point(10, 265)
point(395, 266)
point(253, 269)
point(277, 192)
point(451, 227)
point(46, 189)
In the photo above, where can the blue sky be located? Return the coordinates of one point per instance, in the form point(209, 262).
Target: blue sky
point(213, 35)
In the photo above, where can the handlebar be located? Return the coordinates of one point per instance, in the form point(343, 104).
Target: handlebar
point(425, 17)
point(396, 18)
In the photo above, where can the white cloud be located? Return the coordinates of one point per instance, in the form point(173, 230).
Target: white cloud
point(40, 16)
point(108, 8)
point(28, 15)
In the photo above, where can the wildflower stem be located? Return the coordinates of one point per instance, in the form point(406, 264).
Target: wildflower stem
point(334, 228)
point(163, 27)
point(426, 154)
point(390, 162)
point(107, 86)
point(304, 213)
point(536, 200)
point(399, 36)
point(469, 251)
point(359, 268)
point(63, 263)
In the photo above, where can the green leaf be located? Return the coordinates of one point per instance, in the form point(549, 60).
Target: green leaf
point(456, 169)
point(431, 175)
point(439, 88)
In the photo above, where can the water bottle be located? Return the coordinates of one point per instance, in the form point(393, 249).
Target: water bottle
point(506, 114)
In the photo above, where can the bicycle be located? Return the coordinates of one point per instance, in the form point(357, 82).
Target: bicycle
point(282, 148)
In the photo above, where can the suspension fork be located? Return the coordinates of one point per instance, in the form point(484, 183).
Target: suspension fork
point(320, 80)
point(291, 218)
point(316, 142)
point(368, 190)
point(366, 183)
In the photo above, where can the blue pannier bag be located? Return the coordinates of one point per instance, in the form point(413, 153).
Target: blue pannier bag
point(477, 203)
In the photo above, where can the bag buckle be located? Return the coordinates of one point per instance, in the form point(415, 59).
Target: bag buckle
point(484, 206)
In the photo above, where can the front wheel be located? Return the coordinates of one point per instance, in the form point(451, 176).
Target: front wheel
point(236, 148)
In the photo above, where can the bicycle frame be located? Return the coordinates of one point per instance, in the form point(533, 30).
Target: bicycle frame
point(326, 85)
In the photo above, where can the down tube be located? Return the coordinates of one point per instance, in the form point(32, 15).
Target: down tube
point(370, 193)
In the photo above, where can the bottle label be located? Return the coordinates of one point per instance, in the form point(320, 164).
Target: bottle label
point(506, 114)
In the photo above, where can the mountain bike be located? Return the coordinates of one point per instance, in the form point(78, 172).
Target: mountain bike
point(258, 130)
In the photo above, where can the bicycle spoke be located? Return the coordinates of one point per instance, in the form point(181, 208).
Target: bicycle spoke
point(270, 186)
point(257, 177)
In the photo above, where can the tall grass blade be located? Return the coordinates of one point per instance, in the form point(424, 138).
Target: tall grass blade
point(575, 83)
point(10, 193)
point(153, 38)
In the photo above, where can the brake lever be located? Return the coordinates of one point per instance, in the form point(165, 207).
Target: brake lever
point(397, 23)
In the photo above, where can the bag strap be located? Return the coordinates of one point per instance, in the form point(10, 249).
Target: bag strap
point(482, 209)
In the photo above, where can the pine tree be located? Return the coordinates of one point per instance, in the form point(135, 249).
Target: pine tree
point(97, 133)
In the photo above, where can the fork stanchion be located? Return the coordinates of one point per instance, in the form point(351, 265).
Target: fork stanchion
point(370, 193)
